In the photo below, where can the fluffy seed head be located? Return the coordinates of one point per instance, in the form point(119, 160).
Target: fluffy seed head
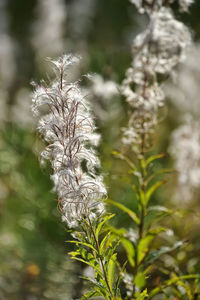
point(156, 52)
point(185, 149)
point(68, 129)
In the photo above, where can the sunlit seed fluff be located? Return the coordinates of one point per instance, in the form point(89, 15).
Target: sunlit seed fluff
point(68, 128)
point(184, 90)
point(152, 5)
point(156, 52)
point(128, 281)
point(163, 44)
point(184, 4)
point(185, 142)
point(185, 149)
point(104, 89)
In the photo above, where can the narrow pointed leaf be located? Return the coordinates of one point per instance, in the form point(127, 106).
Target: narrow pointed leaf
point(101, 287)
point(143, 247)
point(105, 219)
point(90, 295)
point(154, 157)
point(170, 282)
point(74, 253)
point(83, 244)
point(153, 188)
point(140, 280)
point(157, 173)
point(142, 296)
point(130, 250)
point(125, 158)
point(131, 214)
point(154, 255)
point(111, 269)
point(118, 232)
point(160, 209)
point(103, 242)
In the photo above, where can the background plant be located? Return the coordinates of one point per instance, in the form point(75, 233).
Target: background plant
point(153, 58)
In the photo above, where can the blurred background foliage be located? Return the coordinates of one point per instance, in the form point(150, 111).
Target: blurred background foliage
point(33, 249)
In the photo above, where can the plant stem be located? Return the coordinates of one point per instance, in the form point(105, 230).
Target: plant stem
point(142, 207)
point(100, 259)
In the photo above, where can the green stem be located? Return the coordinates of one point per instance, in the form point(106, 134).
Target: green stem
point(100, 260)
point(143, 208)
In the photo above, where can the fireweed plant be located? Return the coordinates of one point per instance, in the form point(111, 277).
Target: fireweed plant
point(68, 128)
point(156, 52)
point(69, 132)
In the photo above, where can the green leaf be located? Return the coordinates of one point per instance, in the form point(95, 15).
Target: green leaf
point(91, 263)
point(118, 232)
point(184, 277)
point(111, 269)
point(125, 158)
point(143, 247)
point(135, 189)
point(130, 250)
point(119, 278)
point(101, 287)
point(111, 249)
point(157, 173)
point(90, 294)
point(140, 280)
point(170, 282)
point(93, 281)
point(142, 197)
point(142, 296)
point(153, 188)
point(105, 219)
point(154, 157)
point(154, 255)
point(160, 209)
point(83, 261)
point(83, 244)
point(106, 242)
point(84, 253)
point(157, 230)
point(157, 213)
point(131, 214)
point(74, 253)
point(186, 288)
